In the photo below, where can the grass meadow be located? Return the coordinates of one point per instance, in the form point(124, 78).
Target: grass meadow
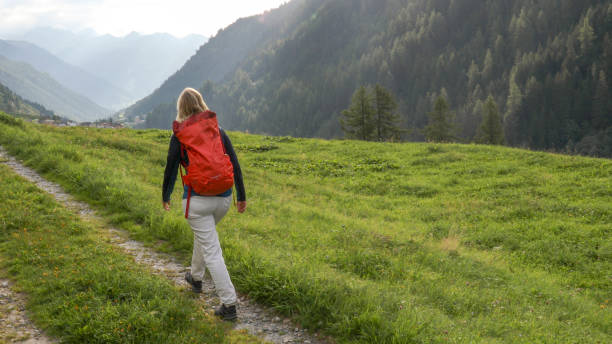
point(375, 242)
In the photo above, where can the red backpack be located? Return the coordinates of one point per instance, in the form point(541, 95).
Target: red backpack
point(210, 171)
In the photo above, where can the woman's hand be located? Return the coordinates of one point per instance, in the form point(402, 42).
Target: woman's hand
point(167, 206)
point(241, 206)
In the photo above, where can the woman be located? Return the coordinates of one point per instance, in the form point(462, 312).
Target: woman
point(204, 212)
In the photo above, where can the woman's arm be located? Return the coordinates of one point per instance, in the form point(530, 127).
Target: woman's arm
point(172, 164)
point(229, 149)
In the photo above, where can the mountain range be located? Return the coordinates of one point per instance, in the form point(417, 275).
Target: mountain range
point(76, 79)
point(135, 63)
point(41, 88)
point(221, 56)
point(292, 70)
point(81, 84)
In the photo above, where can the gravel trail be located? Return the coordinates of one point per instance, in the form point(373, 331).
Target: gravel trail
point(254, 318)
point(15, 326)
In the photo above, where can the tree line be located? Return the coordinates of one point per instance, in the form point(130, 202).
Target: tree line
point(372, 116)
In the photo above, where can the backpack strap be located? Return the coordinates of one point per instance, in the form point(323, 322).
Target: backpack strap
point(188, 199)
point(181, 165)
point(188, 191)
point(183, 154)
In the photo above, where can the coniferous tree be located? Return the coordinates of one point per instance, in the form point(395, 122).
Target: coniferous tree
point(514, 95)
point(602, 115)
point(513, 104)
point(586, 35)
point(385, 117)
point(440, 127)
point(487, 69)
point(472, 74)
point(357, 121)
point(491, 131)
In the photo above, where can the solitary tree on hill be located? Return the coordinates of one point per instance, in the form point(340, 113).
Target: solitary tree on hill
point(491, 130)
point(385, 117)
point(371, 115)
point(440, 127)
point(357, 121)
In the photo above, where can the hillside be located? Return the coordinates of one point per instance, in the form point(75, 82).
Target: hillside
point(77, 80)
point(15, 105)
point(136, 63)
point(221, 55)
point(375, 242)
point(546, 63)
point(39, 87)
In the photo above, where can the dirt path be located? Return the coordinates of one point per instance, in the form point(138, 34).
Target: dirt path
point(252, 317)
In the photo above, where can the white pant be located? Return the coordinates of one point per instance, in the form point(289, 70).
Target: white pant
point(204, 214)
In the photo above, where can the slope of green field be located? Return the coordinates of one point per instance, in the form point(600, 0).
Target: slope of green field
point(376, 242)
point(83, 290)
point(12, 103)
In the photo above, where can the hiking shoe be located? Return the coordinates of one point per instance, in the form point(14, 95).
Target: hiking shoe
point(196, 286)
point(227, 313)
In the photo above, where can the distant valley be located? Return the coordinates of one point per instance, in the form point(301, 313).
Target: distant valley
point(39, 87)
point(76, 79)
point(85, 77)
point(135, 63)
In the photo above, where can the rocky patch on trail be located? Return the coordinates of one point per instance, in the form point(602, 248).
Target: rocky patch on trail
point(15, 327)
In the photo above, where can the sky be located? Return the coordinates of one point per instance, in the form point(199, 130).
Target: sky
point(120, 17)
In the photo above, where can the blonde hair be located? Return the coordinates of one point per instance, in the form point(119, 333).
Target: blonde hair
point(189, 103)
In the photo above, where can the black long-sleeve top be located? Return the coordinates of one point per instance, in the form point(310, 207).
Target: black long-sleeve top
point(174, 159)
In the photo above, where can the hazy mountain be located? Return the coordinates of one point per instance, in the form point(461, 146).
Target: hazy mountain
point(547, 64)
point(222, 54)
point(13, 104)
point(135, 63)
point(41, 88)
point(78, 80)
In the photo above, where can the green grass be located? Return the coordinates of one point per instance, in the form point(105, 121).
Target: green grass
point(376, 242)
point(82, 290)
